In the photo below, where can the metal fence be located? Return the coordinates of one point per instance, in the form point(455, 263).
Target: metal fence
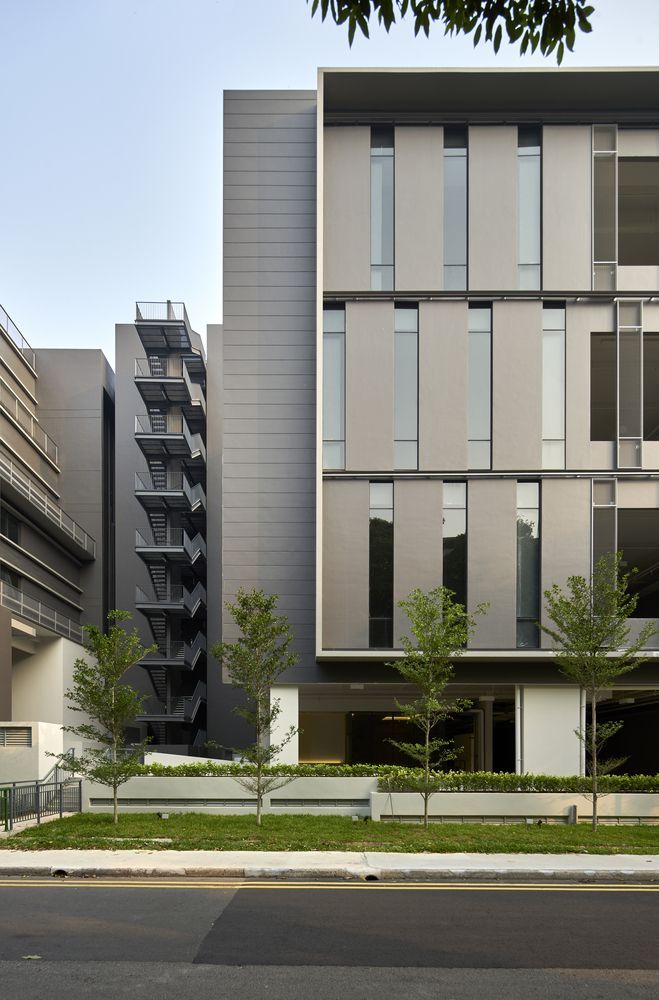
point(23, 801)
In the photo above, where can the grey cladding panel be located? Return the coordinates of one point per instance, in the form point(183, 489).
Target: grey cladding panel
point(269, 340)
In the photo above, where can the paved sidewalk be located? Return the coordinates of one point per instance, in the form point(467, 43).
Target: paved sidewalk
point(332, 864)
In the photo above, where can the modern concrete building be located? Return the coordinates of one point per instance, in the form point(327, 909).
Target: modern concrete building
point(56, 546)
point(440, 359)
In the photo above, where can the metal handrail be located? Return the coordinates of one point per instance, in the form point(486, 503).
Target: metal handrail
point(40, 499)
point(20, 802)
point(173, 593)
point(15, 335)
point(167, 312)
point(148, 538)
point(35, 611)
point(156, 366)
point(159, 423)
point(149, 482)
point(27, 421)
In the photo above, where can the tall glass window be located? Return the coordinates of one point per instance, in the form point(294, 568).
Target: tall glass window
point(605, 522)
point(454, 540)
point(630, 384)
point(406, 387)
point(528, 565)
point(455, 207)
point(334, 348)
point(605, 208)
point(381, 566)
point(529, 205)
point(553, 387)
point(479, 416)
point(382, 209)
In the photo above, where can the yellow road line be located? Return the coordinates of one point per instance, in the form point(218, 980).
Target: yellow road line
point(194, 883)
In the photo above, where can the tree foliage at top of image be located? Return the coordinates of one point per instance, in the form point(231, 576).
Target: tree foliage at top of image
point(544, 25)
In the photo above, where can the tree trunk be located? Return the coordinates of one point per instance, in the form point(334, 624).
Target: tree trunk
point(593, 756)
point(427, 779)
point(115, 804)
point(259, 795)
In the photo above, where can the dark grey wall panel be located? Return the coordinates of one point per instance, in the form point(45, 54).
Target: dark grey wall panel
point(269, 359)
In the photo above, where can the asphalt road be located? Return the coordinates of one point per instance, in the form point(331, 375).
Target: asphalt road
point(210, 938)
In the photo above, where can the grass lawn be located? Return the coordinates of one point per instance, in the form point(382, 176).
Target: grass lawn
point(194, 831)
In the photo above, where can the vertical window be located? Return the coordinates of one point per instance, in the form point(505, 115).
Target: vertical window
point(8, 577)
point(334, 388)
point(454, 540)
point(480, 388)
point(605, 532)
point(529, 205)
point(406, 387)
point(382, 209)
point(381, 566)
point(630, 384)
point(10, 526)
point(528, 565)
point(455, 208)
point(603, 387)
point(650, 386)
point(553, 387)
point(605, 221)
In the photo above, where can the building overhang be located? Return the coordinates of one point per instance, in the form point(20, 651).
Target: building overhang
point(628, 95)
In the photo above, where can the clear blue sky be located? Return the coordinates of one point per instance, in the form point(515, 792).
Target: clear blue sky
point(110, 141)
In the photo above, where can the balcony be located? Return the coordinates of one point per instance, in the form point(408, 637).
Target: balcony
point(169, 491)
point(173, 598)
point(181, 709)
point(27, 423)
point(168, 380)
point(174, 544)
point(177, 653)
point(17, 486)
point(163, 326)
point(18, 341)
point(168, 435)
point(39, 614)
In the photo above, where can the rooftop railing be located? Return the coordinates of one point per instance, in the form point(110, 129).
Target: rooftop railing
point(26, 420)
point(27, 607)
point(40, 499)
point(17, 338)
point(164, 312)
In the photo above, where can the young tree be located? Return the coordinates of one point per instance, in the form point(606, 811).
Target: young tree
point(109, 704)
point(590, 630)
point(441, 627)
point(545, 24)
point(254, 662)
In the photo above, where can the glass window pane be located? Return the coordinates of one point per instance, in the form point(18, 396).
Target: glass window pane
point(528, 209)
point(382, 279)
point(405, 455)
point(333, 455)
point(333, 386)
point(405, 385)
point(529, 139)
point(479, 455)
point(651, 386)
point(604, 137)
point(455, 278)
point(334, 320)
point(629, 388)
point(528, 495)
point(603, 388)
point(553, 384)
point(604, 208)
point(604, 493)
point(382, 210)
point(638, 211)
point(553, 317)
point(480, 318)
point(406, 318)
point(604, 277)
point(455, 137)
point(529, 276)
point(528, 636)
point(454, 494)
point(381, 494)
point(454, 552)
point(455, 210)
point(479, 385)
point(382, 140)
point(629, 453)
point(553, 454)
point(629, 314)
point(604, 531)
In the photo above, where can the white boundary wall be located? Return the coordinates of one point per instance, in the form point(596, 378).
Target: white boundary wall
point(345, 796)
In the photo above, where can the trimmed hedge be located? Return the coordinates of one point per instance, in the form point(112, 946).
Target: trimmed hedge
point(409, 779)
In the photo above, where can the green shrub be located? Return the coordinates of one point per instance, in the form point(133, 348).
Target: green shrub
point(406, 779)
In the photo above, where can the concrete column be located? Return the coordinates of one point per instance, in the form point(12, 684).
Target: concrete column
point(288, 698)
point(486, 702)
point(547, 742)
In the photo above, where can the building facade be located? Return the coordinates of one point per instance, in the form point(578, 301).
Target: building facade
point(441, 305)
point(56, 545)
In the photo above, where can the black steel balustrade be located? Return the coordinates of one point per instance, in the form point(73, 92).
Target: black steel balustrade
point(34, 800)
